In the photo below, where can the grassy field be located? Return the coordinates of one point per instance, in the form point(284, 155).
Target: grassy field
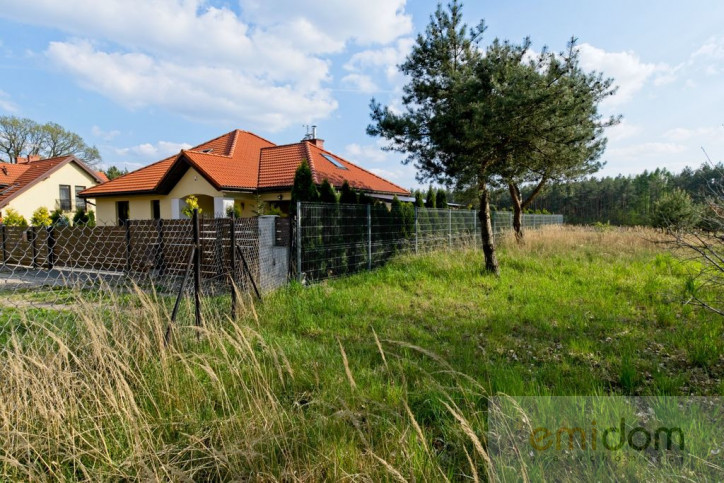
point(380, 376)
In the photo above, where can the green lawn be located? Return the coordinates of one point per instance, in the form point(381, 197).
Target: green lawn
point(382, 375)
point(601, 316)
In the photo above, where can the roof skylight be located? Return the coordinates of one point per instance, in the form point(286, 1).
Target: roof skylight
point(334, 161)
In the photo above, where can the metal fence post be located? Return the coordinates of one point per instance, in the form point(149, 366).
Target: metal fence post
point(127, 223)
point(449, 226)
point(299, 241)
point(51, 247)
point(369, 237)
point(475, 226)
point(416, 229)
point(35, 247)
point(197, 267)
point(232, 260)
point(5, 248)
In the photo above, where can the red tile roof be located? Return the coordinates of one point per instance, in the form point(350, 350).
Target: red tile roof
point(240, 160)
point(20, 177)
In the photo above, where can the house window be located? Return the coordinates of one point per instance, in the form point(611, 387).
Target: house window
point(64, 201)
point(334, 161)
point(122, 211)
point(79, 202)
point(156, 209)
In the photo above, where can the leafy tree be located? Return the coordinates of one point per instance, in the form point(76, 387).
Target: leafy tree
point(41, 217)
point(304, 188)
point(114, 172)
point(20, 136)
point(348, 195)
point(15, 135)
point(13, 218)
point(441, 198)
point(675, 211)
point(192, 203)
point(327, 193)
point(431, 198)
point(446, 113)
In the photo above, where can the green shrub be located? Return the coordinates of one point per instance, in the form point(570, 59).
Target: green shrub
point(84, 218)
point(234, 210)
point(192, 203)
point(58, 218)
point(41, 217)
point(675, 210)
point(13, 218)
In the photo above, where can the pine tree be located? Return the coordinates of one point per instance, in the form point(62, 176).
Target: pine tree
point(327, 193)
point(441, 198)
point(431, 199)
point(348, 195)
point(304, 188)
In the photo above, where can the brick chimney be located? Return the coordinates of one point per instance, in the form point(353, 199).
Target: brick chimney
point(317, 142)
point(21, 160)
point(311, 137)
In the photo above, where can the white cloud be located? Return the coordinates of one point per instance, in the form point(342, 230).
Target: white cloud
point(152, 152)
point(623, 130)
point(359, 82)
point(104, 135)
point(630, 74)
point(204, 92)
point(685, 134)
point(368, 22)
point(6, 104)
point(637, 151)
point(713, 49)
point(384, 59)
point(265, 66)
point(372, 153)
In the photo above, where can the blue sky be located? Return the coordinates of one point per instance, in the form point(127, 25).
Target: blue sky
point(142, 79)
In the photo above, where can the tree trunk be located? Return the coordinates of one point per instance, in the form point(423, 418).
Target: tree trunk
point(519, 204)
point(486, 231)
point(517, 211)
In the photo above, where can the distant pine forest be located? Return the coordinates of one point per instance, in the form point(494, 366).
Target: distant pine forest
point(623, 200)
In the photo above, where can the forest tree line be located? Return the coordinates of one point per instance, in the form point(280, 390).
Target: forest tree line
point(620, 200)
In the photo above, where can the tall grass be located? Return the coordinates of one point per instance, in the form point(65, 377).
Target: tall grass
point(110, 399)
point(381, 376)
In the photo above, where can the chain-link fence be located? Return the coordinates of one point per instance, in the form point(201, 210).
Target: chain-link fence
point(503, 221)
point(332, 240)
point(170, 258)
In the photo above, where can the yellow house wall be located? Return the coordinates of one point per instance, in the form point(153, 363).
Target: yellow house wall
point(47, 192)
point(192, 183)
point(139, 206)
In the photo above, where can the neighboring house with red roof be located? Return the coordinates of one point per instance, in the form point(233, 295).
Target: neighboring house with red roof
point(236, 169)
point(51, 183)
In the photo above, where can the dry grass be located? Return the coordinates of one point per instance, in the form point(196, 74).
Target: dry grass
point(566, 237)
